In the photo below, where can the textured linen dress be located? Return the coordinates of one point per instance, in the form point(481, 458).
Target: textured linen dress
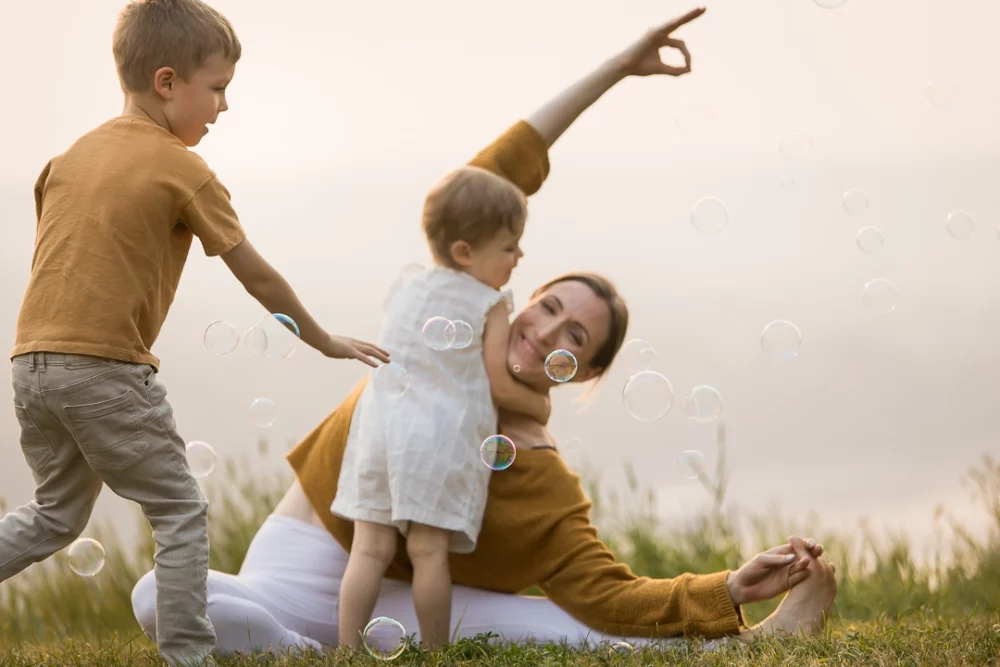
point(415, 456)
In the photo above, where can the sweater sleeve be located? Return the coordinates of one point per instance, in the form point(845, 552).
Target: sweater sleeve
point(590, 585)
point(519, 155)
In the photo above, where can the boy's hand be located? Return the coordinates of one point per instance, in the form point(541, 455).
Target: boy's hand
point(339, 347)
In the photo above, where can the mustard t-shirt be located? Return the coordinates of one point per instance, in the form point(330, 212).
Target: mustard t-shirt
point(116, 216)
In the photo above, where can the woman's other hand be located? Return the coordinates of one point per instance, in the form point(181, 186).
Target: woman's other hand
point(643, 57)
point(772, 572)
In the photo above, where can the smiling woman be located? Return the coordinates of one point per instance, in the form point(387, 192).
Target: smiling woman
point(536, 528)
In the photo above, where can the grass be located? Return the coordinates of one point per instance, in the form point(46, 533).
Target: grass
point(890, 610)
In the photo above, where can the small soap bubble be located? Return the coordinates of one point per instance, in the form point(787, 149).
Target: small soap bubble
point(463, 335)
point(439, 333)
point(517, 368)
point(703, 404)
point(709, 215)
point(960, 225)
point(781, 340)
point(497, 452)
point(795, 144)
point(788, 184)
point(648, 396)
point(637, 355)
point(384, 638)
point(86, 557)
point(391, 380)
point(573, 443)
point(694, 116)
point(691, 464)
point(830, 4)
point(201, 459)
point(879, 296)
point(621, 648)
point(263, 412)
point(221, 338)
point(274, 337)
point(855, 202)
point(943, 93)
point(870, 240)
point(560, 366)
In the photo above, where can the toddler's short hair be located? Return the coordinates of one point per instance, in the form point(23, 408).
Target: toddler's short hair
point(472, 205)
point(182, 34)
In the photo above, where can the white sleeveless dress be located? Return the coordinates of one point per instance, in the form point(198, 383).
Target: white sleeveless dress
point(415, 457)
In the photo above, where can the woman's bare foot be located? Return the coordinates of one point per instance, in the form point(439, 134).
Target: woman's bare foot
point(804, 609)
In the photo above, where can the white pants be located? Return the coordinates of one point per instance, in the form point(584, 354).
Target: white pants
point(286, 595)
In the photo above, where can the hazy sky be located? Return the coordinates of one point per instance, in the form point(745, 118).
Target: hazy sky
point(343, 114)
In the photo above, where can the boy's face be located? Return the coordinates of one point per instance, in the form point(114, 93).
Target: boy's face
point(493, 261)
point(196, 103)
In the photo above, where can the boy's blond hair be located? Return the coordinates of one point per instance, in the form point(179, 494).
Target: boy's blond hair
point(182, 34)
point(472, 205)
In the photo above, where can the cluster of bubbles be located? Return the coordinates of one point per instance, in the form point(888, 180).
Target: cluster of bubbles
point(275, 336)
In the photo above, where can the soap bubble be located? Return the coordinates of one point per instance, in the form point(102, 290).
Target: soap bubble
point(709, 215)
point(637, 355)
point(621, 648)
point(274, 337)
point(691, 464)
point(201, 459)
point(960, 225)
point(463, 335)
point(703, 404)
point(391, 380)
point(855, 202)
point(560, 366)
point(870, 240)
point(86, 557)
point(830, 4)
point(439, 333)
point(263, 412)
point(781, 340)
point(221, 338)
point(648, 396)
point(384, 638)
point(879, 296)
point(498, 452)
point(943, 93)
point(788, 184)
point(795, 144)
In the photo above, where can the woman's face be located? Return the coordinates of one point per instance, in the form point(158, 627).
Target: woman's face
point(566, 316)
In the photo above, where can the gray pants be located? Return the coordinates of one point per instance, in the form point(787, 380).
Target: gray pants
point(85, 422)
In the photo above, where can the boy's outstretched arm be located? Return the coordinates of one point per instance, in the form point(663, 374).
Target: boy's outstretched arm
point(640, 59)
point(263, 282)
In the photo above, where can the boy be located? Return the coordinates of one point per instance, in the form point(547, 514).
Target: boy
point(116, 217)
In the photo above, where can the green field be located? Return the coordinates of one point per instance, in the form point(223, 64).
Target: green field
point(890, 609)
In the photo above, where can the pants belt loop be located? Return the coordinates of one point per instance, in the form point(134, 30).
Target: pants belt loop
point(31, 361)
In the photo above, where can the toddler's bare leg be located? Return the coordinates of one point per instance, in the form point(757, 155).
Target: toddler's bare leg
point(428, 548)
point(372, 550)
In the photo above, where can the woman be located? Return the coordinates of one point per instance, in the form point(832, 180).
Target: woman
point(536, 530)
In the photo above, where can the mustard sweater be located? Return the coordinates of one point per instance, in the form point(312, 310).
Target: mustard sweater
point(536, 529)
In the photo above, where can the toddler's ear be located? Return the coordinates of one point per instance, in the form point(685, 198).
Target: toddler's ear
point(461, 253)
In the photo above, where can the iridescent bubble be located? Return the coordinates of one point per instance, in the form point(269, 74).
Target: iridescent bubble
point(648, 396)
point(391, 380)
point(703, 404)
point(691, 464)
point(943, 93)
point(263, 412)
point(781, 340)
point(637, 355)
point(497, 452)
point(879, 296)
point(621, 648)
point(795, 144)
point(221, 338)
point(694, 116)
point(709, 215)
point(86, 557)
point(830, 4)
point(960, 225)
point(517, 368)
point(384, 638)
point(439, 333)
point(560, 366)
point(870, 240)
point(274, 337)
point(463, 335)
point(201, 459)
point(855, 202)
